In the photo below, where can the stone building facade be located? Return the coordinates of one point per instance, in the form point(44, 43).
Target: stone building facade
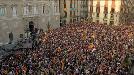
point(104, 11)
point(15, 16)
point(73, 10)
point(101, 11)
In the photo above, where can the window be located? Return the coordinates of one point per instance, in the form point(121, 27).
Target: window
point(64, 3)
point(97, 15)
point(105, 10)
point(35, 10)
point(25, 10)
point(105, 22)
point(2, 11)
point(97, 21)
point(14, 11)
point(112, 10)
point(29, 8)
point(43, 9)
point(112, 17)
point(91, 9)
point(71, 20)
point(70, 13)
point(71, 4)
point(74, 20)
point(105, 15)
point(74, 14)
point(111, 22)
point(56, 7)
point(98, 9)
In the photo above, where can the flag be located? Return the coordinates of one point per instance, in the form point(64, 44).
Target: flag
point(91, 46)
point(62, 64)
point(84, 37)
point(93, 35)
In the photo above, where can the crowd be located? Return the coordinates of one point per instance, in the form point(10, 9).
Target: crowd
point(75, 49)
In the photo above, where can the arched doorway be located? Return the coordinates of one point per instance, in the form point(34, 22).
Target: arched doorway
point(31, 26)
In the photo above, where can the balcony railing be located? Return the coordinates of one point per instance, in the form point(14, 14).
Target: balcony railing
point(30, 15)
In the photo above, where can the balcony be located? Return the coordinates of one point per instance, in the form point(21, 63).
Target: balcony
point(31, 15)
